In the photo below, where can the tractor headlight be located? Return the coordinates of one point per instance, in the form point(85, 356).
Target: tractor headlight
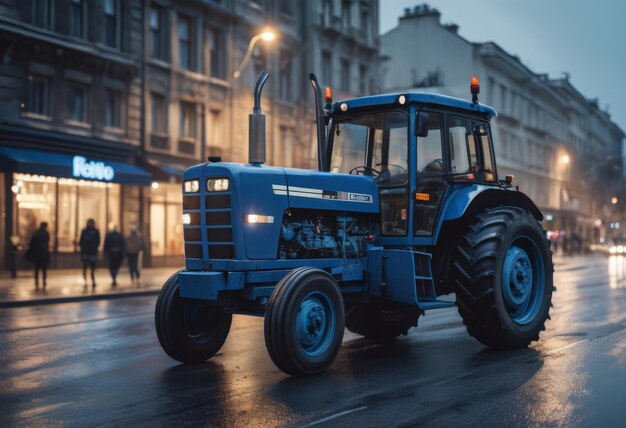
point(258, 218)
point(217, 184)
point(186, 218)
point(192, 186)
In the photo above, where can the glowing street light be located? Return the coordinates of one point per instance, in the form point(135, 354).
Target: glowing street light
point(267, 36)
point(565, 159)
point(614, 200)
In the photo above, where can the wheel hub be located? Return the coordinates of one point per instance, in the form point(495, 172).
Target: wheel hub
point(314, 324)
point(522, 280)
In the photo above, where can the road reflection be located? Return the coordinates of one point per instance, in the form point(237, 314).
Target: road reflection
point(617, 272)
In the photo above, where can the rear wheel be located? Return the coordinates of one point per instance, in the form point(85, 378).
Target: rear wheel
point(504, 280)
point(379, 321)
point(304, 322)
point(189, 330)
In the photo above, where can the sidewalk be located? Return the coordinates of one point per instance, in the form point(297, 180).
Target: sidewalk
point(67, 285)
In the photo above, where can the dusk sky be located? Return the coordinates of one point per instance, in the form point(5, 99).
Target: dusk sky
point(583, 38)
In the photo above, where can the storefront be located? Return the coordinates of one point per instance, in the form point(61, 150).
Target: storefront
point(65, 190)
point(166, 210)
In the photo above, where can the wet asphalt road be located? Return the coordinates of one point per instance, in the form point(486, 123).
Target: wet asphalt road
point(99, 363)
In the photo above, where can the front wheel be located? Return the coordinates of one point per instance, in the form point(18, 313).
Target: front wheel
point(504, 282)
point(189, 330)
point(304, 322)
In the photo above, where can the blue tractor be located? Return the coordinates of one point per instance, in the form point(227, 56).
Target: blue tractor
point(406, 206)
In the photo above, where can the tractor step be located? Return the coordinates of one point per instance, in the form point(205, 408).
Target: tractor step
point(435, 304)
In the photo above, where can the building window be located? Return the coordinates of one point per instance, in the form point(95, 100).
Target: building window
point(77, 102)
point(286, 76)
point(346, 14)
point(112, 107)
point(187, 128)
point(215, 129)
point(286, 7)
point(38, 96)
point(157, 39)
point(110, 23)
point(158, 116)
point(77, 18)
point(345, 74)
point(184, 42)
point(327, 67)
point(217, 53)
point(365, 21)
point(41, 14)
point(363, 80)
point(327, 13)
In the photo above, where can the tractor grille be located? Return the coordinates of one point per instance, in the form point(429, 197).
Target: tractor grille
point(219, 225)
point(210, 224)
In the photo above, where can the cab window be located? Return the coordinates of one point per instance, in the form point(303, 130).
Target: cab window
point(463, 150)
point(481, 131)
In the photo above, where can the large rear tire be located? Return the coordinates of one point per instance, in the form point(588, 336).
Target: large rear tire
point(379, 321)
point(504, 284)
point(304, 322)
point(189, 330)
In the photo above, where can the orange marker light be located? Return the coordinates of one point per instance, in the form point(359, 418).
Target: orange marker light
point(422, 197)
point(475, 88)
point(475, 85)
point(328, 93)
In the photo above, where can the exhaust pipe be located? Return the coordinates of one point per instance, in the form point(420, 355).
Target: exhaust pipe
point(256, 125)
point(320, 120)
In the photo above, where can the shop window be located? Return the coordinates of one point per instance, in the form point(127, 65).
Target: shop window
point(157, 38)
point(68, 216)
point(77, 18)
point(112, 107)
point(35, 202)
point(166, 231)
point(184, 42)
point(217, 54)
point(111, 37)
point(38, 96)
point(77, 102)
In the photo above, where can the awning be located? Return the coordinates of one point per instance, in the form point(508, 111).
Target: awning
point(162, 171)
point(71, 166)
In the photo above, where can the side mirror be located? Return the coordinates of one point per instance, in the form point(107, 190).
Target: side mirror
point(421, 125)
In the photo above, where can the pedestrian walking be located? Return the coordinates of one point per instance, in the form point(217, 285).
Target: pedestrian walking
point(89, 244)
point(39, 253)
point(114, 248)
point(134, 246)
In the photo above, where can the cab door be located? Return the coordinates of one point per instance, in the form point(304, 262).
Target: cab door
point(429, 177)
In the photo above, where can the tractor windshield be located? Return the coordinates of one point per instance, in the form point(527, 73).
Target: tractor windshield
point(372, 143)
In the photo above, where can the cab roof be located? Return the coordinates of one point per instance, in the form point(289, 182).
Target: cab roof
point(417, 97)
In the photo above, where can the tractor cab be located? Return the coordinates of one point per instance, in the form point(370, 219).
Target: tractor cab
point(416, 147)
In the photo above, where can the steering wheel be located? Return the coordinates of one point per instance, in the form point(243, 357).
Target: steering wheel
point(364, 170)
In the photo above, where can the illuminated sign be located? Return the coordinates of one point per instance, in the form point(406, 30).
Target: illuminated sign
point(91, 170)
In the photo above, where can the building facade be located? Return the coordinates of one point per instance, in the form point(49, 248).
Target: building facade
point(104, 103)
point(558, 144)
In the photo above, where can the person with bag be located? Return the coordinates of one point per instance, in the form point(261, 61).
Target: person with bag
point(134, 246)
point(89, 243)
point(114, 248)
point(39, 253)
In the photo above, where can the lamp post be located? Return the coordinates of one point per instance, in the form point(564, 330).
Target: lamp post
point(267, 36)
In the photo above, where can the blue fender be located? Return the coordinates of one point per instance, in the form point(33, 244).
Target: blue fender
point(472, 198)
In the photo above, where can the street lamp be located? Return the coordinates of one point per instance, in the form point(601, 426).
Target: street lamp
point(267, 36)
point(565, 159)
point(614, 200)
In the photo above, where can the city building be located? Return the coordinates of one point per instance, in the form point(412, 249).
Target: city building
point(564, 151)
point(104, 103)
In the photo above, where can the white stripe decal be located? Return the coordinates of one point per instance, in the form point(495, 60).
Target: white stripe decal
point(306, 192)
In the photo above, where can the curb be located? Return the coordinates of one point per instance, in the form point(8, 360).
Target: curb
point(71, 299)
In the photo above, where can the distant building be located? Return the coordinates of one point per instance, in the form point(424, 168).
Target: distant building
point(558, 144)
point(146, 88)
